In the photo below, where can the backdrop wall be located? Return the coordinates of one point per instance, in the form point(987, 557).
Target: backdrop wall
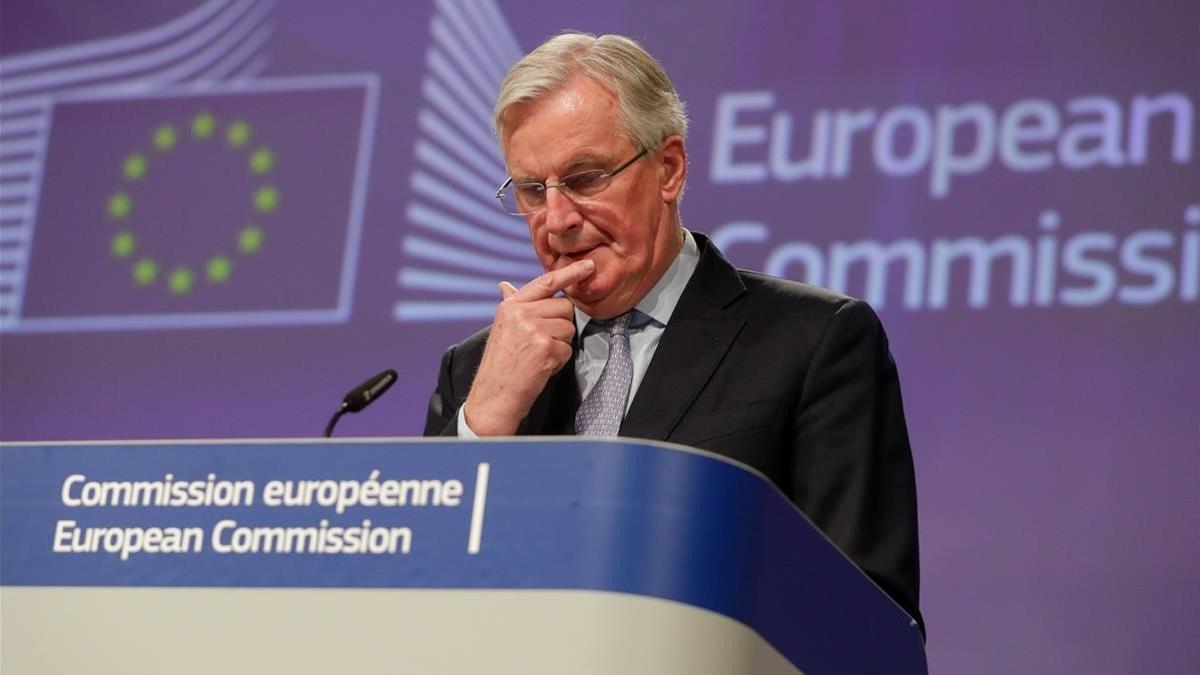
point(216, 217)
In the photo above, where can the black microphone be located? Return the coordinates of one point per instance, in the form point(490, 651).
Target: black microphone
point(361, 396)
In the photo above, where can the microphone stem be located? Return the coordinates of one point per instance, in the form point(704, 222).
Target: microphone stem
point(334, 420)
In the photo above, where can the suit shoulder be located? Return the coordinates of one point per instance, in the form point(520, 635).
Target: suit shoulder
point(837, 314)
point(473, 344)
point(793, 297)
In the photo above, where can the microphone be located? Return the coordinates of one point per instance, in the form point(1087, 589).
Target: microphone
point(361, 396)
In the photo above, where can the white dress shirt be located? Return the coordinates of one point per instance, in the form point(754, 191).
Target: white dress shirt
point(650, 319)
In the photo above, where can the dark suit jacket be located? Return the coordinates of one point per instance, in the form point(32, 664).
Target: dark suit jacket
point(794, 380)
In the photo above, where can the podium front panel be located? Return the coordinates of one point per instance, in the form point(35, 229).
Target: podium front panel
point(528, 554)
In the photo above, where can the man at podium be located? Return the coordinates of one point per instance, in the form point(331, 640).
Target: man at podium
point(641, 328)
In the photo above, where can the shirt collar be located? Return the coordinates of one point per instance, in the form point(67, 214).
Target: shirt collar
point(659, 303)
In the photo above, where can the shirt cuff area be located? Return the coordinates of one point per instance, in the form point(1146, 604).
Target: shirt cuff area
point(464, 431)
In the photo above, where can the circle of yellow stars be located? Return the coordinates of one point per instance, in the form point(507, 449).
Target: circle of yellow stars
point(180, 279)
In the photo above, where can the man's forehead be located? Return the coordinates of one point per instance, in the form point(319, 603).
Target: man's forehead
point(570, 99)
point(576, 96)
point(573, 125)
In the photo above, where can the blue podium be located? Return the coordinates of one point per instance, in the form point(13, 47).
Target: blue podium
point(527, 556)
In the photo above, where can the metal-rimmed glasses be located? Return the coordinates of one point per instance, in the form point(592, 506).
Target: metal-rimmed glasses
point(525, 198)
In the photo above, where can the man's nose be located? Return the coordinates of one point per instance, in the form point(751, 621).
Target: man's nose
point(562, 213)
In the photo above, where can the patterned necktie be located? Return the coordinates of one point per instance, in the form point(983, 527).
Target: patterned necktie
point(601, 412)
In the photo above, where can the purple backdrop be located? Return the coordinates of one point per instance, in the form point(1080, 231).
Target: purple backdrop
point(216, 217)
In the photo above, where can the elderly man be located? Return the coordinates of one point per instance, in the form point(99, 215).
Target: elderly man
point(643, 329)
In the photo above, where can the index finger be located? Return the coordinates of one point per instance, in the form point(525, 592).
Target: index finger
point(554, 281)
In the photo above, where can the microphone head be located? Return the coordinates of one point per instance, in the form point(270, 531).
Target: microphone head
point(362, 395)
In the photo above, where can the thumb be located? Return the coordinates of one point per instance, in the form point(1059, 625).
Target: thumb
point(507, 290)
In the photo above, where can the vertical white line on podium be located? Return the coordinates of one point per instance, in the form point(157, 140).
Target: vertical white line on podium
point(481, 485)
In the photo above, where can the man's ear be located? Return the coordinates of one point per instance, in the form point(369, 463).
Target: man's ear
point(674, 167)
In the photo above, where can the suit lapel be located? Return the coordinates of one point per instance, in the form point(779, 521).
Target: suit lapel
point(701, 330)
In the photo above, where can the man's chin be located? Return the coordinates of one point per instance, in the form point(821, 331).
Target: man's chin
point(585, 296)
point(582, 296)
point(596, 305)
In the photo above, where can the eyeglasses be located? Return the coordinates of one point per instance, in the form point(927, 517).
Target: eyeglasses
point(523, 199)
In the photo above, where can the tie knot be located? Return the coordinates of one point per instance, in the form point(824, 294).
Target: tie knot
point(619, 325)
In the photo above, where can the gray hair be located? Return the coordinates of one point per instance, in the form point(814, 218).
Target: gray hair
point(649, 105)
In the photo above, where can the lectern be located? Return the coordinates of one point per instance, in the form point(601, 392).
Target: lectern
point(524, 556)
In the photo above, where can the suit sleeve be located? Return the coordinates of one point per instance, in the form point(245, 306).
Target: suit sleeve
point(853, 464)
point(442, 417)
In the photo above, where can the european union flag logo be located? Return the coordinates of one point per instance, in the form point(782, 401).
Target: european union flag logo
point(212, 207)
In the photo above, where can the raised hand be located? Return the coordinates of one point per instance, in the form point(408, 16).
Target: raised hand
point(530, 341)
